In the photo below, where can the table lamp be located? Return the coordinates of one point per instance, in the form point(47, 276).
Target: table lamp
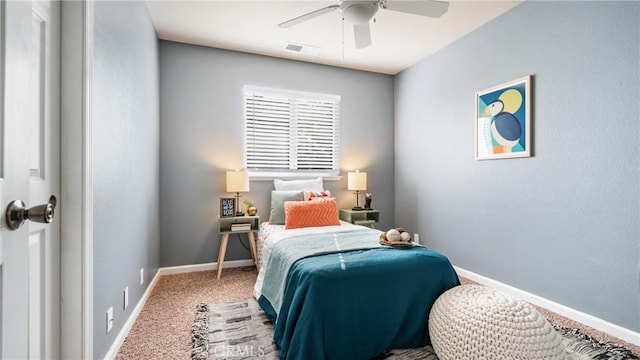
point(357, 181)
point(237, 182)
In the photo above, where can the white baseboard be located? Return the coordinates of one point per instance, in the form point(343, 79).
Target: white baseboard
point(203, 267)
point(115, 347)
point(573, 314)
point(113, 350)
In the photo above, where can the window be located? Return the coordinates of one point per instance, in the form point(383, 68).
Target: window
point(291, 132)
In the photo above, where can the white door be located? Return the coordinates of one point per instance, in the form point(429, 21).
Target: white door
point(30, 172)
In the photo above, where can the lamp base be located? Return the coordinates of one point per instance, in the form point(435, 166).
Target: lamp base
point(239, 213)
point(357, 208)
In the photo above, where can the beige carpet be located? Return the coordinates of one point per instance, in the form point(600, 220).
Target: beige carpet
point(163, 328)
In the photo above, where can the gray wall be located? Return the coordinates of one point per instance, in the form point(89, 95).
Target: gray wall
point(563, 224)
point(201, 136)
point(125, 161)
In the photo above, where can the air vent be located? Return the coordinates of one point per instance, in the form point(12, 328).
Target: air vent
point(294, 47)
point(302, 49)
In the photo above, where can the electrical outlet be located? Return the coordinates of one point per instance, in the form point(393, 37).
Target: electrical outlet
point(416, 238)
point(126, 298)
point(109, 319)
point(141, 276)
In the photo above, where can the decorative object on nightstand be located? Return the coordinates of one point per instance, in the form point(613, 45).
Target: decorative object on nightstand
point(251, 208)
point(357, 181)
point(237, 225)
point(237, 182)
point(367, 201)
point(227, 206)
point(360, 217)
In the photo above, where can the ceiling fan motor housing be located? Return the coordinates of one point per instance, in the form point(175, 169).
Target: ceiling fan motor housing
point(358, 12)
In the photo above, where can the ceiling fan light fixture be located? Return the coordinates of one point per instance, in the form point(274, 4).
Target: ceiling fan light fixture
point(358, 12)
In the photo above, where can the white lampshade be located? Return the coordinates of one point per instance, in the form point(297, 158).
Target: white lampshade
point(237, 181)
point(357, 180)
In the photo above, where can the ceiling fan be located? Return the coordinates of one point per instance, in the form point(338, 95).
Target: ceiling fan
point(360, 12)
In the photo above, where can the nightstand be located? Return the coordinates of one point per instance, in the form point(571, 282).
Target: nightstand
point(237, 225)
point(360, 217)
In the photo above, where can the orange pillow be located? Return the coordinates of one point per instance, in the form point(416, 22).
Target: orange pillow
point(299, 214)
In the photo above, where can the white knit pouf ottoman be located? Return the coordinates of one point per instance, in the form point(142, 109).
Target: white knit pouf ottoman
point(477, 322)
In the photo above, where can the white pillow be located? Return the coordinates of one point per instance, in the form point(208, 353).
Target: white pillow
point(292, 185)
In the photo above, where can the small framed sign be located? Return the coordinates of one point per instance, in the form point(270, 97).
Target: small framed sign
point(227, 207)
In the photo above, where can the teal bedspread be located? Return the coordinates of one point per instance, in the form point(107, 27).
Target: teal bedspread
point(289, 250)
point(352, 301)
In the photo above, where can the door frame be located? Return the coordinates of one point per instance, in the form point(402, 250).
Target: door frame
point(76, 195)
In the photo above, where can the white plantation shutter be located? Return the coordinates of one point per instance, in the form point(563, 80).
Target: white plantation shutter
point(288, 131)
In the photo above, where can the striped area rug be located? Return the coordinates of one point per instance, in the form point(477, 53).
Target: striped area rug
point(241, 330)
point(238, 330)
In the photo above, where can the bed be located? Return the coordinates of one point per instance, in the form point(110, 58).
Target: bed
point(333, 292)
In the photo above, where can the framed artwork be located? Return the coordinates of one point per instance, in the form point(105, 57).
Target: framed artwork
point(503, 120)
point(227, 207)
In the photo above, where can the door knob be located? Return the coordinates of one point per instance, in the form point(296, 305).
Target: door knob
point(17, 213)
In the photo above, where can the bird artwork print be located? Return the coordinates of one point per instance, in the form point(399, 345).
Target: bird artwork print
point(501, 122)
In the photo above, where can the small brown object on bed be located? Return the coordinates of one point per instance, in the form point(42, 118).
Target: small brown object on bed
point(402, 242)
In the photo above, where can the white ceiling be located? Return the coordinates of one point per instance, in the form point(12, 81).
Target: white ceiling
point(399, 39)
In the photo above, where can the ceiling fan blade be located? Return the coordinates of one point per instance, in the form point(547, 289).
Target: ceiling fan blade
point(308, 16)
point(430, 8)
point(362, 34)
